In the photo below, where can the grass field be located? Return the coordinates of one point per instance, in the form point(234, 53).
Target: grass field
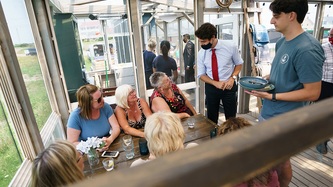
point(10, 159)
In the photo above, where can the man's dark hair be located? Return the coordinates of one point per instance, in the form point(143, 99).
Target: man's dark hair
point(206, 31)
point(300, 7)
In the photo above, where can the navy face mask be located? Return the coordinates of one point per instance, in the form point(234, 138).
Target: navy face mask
point(207, 46)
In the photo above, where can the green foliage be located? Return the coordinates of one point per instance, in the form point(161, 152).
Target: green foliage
point(24, 45)
point(10, 160)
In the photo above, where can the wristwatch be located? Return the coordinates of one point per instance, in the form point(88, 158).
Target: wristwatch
point(234, 77)
point(274, 97)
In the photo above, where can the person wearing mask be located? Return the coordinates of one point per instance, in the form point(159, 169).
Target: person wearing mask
point(92, 118)
point(327, 81)
point(148, 57)
point(218, 65)
point(188, 58)
point(296, 70)
point(164, 63)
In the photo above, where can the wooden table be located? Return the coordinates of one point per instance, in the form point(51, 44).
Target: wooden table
point(200, 133)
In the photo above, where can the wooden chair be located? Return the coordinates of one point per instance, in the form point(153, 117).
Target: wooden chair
point(109, 91)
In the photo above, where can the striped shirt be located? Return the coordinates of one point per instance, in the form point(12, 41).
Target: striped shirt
point(328, 64)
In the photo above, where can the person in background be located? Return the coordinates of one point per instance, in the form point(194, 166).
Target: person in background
point(168, 97)
point(58, 165)
point(267, 179)
point(327, 81)
point(296, 70)
point(164, 134)
point(164, 63)
point(188, 58)
point(218, 65)
point(93, 117)
point(131, 111)
point(148, 58)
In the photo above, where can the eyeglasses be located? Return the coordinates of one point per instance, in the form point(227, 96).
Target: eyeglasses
point(81, 155)
point(99, 99)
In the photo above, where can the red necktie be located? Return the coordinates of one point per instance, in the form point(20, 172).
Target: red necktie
point(214, 66)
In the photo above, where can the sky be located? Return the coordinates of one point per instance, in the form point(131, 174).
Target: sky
point(17, 21)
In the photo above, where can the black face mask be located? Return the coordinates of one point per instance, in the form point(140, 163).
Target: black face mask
point(207, 46)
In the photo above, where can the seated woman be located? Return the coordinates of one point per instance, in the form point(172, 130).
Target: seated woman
point(58, 165)
point(168, 97)
point(164, 134)
point(131, 111)
point(269, 178)
point(92, 118)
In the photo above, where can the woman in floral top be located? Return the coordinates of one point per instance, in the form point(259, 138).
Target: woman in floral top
point(168, 97)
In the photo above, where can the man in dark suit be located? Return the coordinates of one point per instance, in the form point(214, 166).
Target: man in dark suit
point(188, 58)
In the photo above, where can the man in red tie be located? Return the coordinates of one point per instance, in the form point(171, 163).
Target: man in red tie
point(218, 65)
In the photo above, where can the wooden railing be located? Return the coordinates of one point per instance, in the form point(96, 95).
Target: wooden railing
point(230, 159)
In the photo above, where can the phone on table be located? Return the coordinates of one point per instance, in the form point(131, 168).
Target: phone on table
point(112, 154)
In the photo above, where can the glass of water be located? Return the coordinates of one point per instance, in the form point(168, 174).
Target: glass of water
point(108, 164)
point(190, 123)
point(128, 146)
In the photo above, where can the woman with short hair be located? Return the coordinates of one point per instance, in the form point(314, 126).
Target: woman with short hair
point(168, 97)
point(131, 111)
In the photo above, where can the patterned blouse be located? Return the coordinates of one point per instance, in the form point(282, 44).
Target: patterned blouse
point(176, 104)
point(141, 123)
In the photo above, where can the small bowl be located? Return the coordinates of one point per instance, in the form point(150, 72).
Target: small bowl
point(253, 82)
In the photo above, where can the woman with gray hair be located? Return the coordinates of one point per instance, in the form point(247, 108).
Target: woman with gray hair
point(131, 111)
point(168, 97)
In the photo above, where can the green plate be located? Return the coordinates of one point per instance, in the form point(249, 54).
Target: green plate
point(267, 88)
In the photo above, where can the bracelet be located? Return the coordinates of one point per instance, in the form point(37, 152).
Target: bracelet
point(274, 97)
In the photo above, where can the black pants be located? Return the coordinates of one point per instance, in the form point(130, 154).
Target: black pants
point(213, 98)
point(147, 75)
point(189, 74)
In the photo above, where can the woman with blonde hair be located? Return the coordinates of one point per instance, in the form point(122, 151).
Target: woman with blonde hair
point(131, 111)
point(164, 133)
point(168, 97)
point(92, 118)
point(267, 179)
point(58, 165)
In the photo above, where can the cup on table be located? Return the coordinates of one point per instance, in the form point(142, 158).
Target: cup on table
point(128, 146)
point(190, 123)
point(143, 146)
point(108, 164)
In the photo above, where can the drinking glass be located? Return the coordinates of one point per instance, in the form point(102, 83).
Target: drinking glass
point(190, 123)
point(108, 164)
point(128, 146)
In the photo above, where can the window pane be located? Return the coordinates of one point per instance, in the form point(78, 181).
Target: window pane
point(10, 152)
point(21, 34)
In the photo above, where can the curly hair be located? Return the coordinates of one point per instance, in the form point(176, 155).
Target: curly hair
point(300, 7)
point(164, 133)
point(156, 79)
point(206, 31)
point(233, 124)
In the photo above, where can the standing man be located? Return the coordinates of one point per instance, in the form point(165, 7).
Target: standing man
point(218, 65)
point(148, 58)
point(296, 69)
point(327, 81)
point(188, 58)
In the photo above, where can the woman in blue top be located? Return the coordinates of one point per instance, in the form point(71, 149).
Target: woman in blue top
point(92, 118)
point(164, 63)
